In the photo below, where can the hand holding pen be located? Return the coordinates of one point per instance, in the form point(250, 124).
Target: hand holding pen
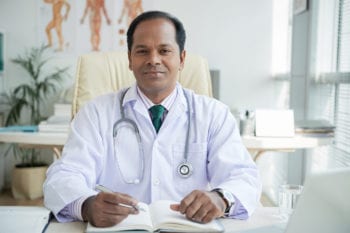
point(106, 190)
point(108, 208)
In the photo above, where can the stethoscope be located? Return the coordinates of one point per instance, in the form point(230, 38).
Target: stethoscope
point(184, 169)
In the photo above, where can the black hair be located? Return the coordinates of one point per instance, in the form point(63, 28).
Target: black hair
point(179, 28)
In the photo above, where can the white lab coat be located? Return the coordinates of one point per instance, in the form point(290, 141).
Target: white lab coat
point(216, 152)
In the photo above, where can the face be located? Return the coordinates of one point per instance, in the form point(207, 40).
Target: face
point(155, 58)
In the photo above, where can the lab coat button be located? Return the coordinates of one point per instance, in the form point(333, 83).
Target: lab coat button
point(156, 182)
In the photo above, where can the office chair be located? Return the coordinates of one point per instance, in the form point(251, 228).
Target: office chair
point(102, 72)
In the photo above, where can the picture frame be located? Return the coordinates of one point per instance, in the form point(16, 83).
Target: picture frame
point(299, 6)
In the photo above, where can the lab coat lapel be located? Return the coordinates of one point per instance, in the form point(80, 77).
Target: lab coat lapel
point(138, 107)
point(177, 110)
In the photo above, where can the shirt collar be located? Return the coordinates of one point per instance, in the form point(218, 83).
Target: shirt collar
point(167, 102)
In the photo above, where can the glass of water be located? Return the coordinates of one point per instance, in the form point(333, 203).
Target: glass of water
point(287, 199)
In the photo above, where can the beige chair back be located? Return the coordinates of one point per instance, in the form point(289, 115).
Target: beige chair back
point(103, 72)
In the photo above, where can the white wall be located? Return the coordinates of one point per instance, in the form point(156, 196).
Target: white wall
point(19, 20)
point(234, 35)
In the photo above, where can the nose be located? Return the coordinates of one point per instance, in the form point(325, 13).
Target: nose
point(154, 58)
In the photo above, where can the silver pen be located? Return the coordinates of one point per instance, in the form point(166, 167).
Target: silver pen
point(106, 190)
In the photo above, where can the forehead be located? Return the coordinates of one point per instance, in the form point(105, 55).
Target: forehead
point(153, 31)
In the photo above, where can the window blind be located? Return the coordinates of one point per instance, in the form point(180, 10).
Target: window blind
point(343, 59)
point(329, 96)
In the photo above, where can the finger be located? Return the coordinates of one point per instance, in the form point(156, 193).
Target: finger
point(117, 198)
point(187, 201)
point(175, 207)
point(117, 209)
point(199, 207)
point(193, 208)
point(110, 203)
point(127, 199)
point(210, 216)
point(200, 214)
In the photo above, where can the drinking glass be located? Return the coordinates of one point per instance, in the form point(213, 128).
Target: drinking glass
point(287, 199)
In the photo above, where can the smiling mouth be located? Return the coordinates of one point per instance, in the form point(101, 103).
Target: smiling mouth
point(153, 72)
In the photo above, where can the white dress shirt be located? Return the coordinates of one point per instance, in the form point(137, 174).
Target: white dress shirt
point(216, 152)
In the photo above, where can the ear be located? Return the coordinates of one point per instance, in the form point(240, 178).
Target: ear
point(130, 60)
point(182, 59)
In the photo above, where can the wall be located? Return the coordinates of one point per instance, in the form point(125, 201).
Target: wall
point(18, 19)
point(235, 37)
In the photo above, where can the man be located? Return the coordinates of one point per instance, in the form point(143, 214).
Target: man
point(197, 145)
point(56, 22)
point(95, 7)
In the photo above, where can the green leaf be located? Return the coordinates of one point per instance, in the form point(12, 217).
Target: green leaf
point(33, 94)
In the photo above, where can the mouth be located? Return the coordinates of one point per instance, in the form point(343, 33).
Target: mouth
point(153, 72)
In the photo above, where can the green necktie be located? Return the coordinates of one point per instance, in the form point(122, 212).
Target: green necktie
point(157, 114)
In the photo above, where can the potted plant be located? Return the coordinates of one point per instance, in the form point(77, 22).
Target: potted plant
point(28, 99)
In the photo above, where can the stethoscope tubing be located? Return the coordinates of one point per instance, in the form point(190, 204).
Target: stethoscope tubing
point(184, 169)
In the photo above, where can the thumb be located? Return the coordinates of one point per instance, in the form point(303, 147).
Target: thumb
point(175, 207)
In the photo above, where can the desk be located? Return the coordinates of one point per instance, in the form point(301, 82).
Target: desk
point(258, 145)
point(54, 141)
point(263, 216)
point(255, 145)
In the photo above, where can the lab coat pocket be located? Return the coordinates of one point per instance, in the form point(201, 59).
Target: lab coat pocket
point(197, 159)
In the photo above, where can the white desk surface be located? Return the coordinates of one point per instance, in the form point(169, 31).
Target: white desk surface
point(263, 217)
point(251, 142)
point(284, 143)
point(55, 139)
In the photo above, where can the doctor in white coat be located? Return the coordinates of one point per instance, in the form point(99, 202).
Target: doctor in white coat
point(192, 154)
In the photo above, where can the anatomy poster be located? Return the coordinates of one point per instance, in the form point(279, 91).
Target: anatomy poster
point(80, 26)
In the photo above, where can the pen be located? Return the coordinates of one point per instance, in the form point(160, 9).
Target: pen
point(106, 190)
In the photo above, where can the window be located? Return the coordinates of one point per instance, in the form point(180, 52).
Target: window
point(281, 38)
point(329, 91)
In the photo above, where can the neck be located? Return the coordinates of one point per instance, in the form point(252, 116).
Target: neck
point(157, 96)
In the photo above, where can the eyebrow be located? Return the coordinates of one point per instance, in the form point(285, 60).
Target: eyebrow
point(145, 46)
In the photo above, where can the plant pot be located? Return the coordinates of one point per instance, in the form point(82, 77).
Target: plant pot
point(27, 182)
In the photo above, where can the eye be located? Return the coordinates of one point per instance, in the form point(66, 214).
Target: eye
point(141, 51)
point(165, 51)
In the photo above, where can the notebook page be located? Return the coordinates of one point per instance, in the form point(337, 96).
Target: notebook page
point(165, 218)
point(19, 219)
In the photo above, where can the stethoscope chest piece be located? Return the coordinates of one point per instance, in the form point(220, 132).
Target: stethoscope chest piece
point(185, 169)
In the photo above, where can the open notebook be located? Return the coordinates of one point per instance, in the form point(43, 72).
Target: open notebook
point(159, 216)
point(19, 219)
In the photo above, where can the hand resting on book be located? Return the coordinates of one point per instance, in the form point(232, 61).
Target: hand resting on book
point(201, 206)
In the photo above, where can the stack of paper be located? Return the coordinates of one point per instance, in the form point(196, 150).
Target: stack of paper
point(45, 126)
point(314, 128)
point(62, 109)
point(59, 122)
